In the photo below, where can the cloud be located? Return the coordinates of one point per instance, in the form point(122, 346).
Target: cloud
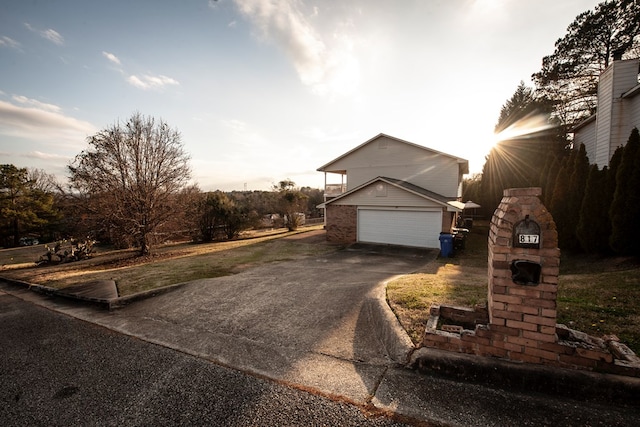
point(49, 34)
point(42, 122)
point(327, 64)
point(9, 42)
point(111, 57)
point(44, 156)
point(235, 125)
point(143, 81)
point(35, 103)
point(146, 81)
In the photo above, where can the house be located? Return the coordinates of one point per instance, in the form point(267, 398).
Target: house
point(618, 112)
point(392, 192)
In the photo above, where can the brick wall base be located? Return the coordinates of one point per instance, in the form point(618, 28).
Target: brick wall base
point(571, 349)
point(342, 223)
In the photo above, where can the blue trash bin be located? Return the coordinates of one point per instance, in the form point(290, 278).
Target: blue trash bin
point(446, 245)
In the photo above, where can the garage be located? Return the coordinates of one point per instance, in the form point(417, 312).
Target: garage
point(400, 227)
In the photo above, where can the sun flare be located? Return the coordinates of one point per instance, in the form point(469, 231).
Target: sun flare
point(529, 126)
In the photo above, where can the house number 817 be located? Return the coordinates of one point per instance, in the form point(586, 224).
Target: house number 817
point(529, 238)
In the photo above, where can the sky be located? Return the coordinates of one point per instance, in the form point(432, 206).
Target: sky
point(267, 90)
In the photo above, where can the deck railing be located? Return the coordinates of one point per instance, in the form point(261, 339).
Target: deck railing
point(333, 190)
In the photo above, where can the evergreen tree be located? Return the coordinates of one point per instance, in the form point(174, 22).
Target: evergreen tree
point(550, 180)
point(594, 228)
point(625, 209)
point(516, 160)
point(559, 206)
point(610, 187)
point(25, 204)
point(577, 184)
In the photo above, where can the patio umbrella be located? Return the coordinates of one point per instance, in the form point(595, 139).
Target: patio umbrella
point(471, 205)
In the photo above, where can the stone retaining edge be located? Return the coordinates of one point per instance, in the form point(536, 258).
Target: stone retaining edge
point(105, 303)
point(386, 325)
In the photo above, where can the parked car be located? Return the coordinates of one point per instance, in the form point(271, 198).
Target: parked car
point(29, 241)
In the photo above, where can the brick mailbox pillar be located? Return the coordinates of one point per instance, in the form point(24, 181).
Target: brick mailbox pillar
point(519, 321)
point(524, 263)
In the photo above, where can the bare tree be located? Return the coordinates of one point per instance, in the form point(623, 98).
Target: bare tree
point(129, 176)
point(292, 203)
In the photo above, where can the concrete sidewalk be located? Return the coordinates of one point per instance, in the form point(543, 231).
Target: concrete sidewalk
point(323, 325)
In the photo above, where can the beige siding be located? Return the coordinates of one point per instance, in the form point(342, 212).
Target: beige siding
point(388, 157)
point(616, 115)
point(626, 77)
point(634, 108)
point(603, 119)
point(384, 194)
point(587, 136)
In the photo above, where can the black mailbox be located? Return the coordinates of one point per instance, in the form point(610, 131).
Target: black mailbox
point(526, 234)
point(525, 272)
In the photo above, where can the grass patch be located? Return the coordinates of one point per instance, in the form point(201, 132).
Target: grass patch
point(602, 303)
point(598, 296)
point(177, 263)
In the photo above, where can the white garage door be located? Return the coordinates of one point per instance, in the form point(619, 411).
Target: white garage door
point(395, 227)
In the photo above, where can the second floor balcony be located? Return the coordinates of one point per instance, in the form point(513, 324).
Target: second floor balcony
point(334, 190)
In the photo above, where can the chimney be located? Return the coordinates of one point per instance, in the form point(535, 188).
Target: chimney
point(617, 54)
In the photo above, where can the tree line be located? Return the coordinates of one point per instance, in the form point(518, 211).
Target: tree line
point(131, 188)
point(594, 209)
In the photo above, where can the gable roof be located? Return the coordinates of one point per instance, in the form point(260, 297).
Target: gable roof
point(631, 92)
point(583, 123)
point(459, 160)
point(447, 202)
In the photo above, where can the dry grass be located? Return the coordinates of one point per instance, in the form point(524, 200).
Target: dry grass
point(595, 295)
point(458, 281)
point(602, 303)
point(177, 263)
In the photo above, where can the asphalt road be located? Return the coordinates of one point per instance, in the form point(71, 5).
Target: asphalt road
point(57, 370)
point(160, 361)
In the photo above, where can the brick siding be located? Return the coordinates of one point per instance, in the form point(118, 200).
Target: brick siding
point(342, 223)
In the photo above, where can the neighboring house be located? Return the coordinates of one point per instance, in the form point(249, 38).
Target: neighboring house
point(392, 192)
point(618, 112)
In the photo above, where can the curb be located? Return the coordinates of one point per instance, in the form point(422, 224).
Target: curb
point(386, 325)
point(104, 303)
point(509, 375)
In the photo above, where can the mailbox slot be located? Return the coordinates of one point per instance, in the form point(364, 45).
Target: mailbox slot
point(525, 272)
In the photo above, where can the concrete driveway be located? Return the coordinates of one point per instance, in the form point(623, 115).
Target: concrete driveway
point(320, 323)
